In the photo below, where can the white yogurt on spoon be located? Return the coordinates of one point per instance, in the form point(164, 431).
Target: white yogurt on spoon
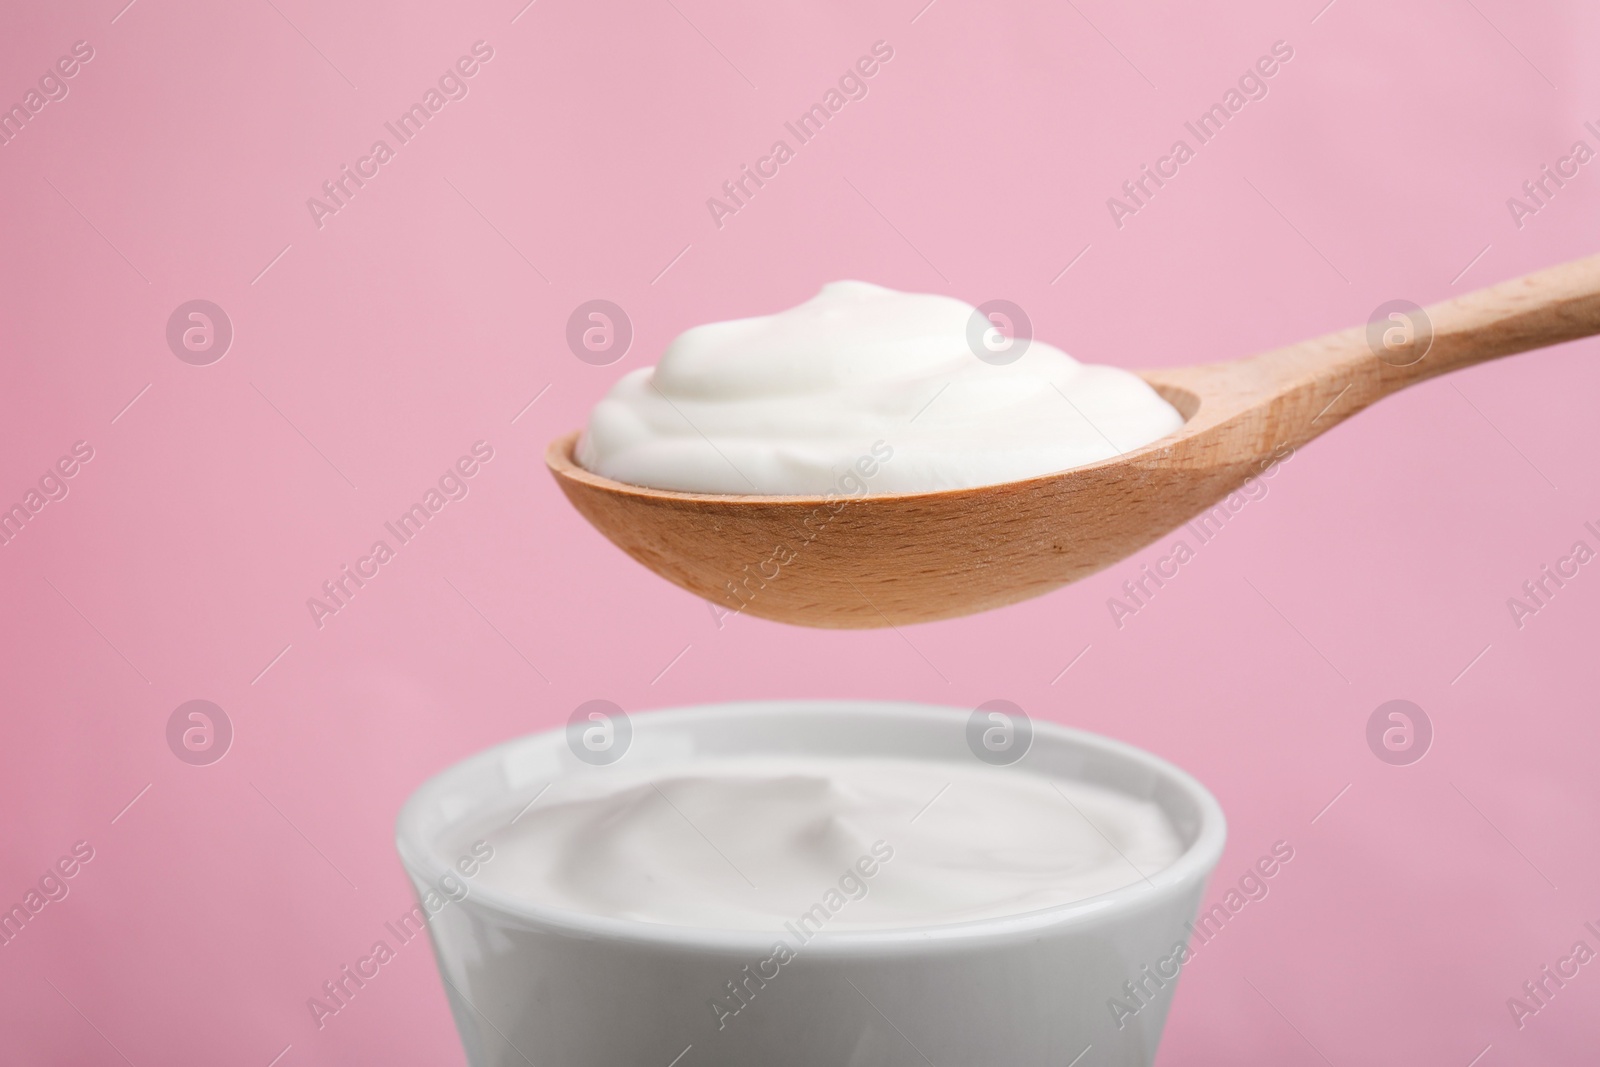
point(785, 404)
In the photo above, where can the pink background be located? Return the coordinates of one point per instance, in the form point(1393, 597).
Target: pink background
point(413, 323)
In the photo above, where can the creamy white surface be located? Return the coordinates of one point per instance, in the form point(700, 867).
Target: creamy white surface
point(785, 404)
point(753, 843)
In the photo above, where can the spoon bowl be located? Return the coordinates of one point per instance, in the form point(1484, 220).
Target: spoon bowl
point(891, 559)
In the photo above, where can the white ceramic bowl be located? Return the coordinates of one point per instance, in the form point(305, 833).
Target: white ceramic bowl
point(540, 986)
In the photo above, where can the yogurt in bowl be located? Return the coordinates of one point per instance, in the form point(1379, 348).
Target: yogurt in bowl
point(810, 883)
point(749, 844)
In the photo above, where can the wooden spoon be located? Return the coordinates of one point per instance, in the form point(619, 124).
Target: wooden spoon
point(882, 560)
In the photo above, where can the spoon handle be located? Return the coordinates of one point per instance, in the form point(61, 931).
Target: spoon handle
point(1292, 394)
point(1546, 307)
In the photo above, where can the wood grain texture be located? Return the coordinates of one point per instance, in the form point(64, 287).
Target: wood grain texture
point(893, 559)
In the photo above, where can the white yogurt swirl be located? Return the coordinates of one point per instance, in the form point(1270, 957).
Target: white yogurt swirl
point(785, 404)
point(875, 843)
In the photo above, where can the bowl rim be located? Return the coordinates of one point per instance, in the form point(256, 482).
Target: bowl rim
point(425, 864)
